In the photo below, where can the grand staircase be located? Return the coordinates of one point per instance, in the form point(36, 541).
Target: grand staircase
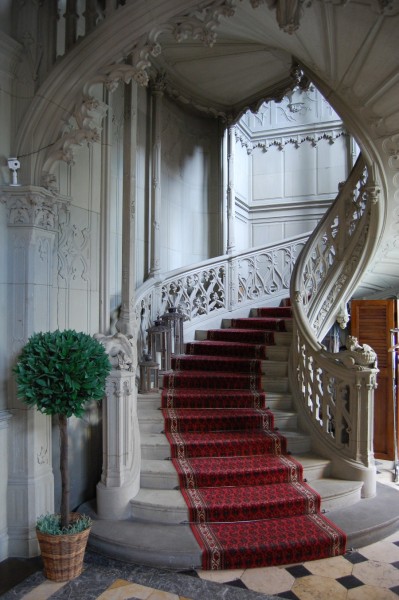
point(262, 341)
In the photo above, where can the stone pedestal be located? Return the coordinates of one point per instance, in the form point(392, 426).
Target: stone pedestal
point(32, 227)
point(120, 479)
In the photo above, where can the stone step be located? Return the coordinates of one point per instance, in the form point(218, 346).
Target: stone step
point(274, 401)
point(274, 368)
point(162, 475)
point(278, 352)
point(144, 542)
point(278, 401)
point(254, 312)
point(337, 493)
point(151, 420)
point(150, 401)
point(272, 384)
point(287, 320)
point(281, 338)
point(169, 506)
point(270, 368)
point(174, 547)
point(155, 446)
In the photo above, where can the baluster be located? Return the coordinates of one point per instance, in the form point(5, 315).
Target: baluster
point(71, 21)
point(48, 17)
point(90, 15)
point(111, 6)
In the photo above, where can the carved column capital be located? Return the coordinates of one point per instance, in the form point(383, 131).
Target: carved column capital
point(30, 206)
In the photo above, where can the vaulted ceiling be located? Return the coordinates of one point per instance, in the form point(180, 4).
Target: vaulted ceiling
point(246, 53)
point(223, 56)
point(347, 47)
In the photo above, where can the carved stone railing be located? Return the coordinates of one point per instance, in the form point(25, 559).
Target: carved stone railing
point(335, 391)
point(230, 283)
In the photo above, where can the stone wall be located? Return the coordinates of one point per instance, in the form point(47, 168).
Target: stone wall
point(292, 156)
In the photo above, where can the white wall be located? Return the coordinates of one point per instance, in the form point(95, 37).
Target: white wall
point(9, 53)
point(76, 301)
point(190, 188)
point(298, 153)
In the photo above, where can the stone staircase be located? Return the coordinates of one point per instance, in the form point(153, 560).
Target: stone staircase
point(160, 501)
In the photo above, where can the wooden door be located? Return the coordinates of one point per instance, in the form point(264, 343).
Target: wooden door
point(371, 322)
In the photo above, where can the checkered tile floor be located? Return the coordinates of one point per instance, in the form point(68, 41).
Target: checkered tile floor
point(369, 573)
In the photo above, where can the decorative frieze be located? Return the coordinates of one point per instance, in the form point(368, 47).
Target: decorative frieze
point(31, 207)
point(301, 117)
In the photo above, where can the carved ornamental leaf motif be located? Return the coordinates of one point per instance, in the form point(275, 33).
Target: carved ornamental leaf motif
point(33, 209)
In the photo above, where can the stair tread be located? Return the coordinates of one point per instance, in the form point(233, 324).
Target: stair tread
point(307, 460)
point(326, 487)
point(159, 439)
point(257, 449)
point(155, 414)
point(329, 487)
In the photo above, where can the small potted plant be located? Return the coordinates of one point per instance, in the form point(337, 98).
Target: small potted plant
point(58, 372)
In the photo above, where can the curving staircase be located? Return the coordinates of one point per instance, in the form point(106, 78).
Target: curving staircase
point(321, 402)
point(160, 500)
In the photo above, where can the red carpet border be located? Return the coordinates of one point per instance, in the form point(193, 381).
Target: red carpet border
point(248, 504)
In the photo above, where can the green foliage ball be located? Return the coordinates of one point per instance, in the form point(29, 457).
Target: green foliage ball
point(58, 372)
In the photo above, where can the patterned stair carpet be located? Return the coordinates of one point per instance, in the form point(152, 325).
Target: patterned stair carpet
point(248, 503)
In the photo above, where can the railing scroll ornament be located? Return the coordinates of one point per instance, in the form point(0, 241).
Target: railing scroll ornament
point(226, 284)
point(334, 391)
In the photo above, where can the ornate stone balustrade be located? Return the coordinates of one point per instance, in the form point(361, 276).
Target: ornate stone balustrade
point(335, 391)
point(226, 284)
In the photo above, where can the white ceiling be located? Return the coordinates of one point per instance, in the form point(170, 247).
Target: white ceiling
point(349, 48)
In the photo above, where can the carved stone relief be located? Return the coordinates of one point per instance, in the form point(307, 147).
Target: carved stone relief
point(120, 350)
point(28, 207)
point(72, 250)
point(82, 127)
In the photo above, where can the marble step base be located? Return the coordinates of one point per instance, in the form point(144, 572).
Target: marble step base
point(281, 338)
point(274, 400)
point(155, 446)
point(161, 474)
point(151, 420)
point(169, 506)
point(174, 547)
point(289, 324)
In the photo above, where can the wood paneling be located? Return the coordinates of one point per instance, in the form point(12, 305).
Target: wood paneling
point(371, 322)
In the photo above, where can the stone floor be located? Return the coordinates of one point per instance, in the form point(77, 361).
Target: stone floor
point(370, 572)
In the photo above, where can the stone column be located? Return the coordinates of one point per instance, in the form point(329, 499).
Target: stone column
point(126, 321)
point(32, 226)
point(156, 196)
point(120, 478)
point(105, 218)
point(231, 200)
point(5, 416)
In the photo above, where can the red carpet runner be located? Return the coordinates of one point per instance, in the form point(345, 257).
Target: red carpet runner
point(248, 503)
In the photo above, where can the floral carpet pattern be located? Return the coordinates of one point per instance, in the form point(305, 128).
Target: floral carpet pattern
point(248, 503)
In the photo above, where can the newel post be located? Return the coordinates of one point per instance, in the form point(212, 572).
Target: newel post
point(120, 478)
point(362, 439)
point(362, 433)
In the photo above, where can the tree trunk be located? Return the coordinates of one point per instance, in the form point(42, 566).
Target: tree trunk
point(65, 486)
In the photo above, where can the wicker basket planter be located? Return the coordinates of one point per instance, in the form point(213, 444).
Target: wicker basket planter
point(63, 555)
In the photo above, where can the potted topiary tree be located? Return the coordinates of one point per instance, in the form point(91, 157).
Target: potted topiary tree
point(58, 372)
